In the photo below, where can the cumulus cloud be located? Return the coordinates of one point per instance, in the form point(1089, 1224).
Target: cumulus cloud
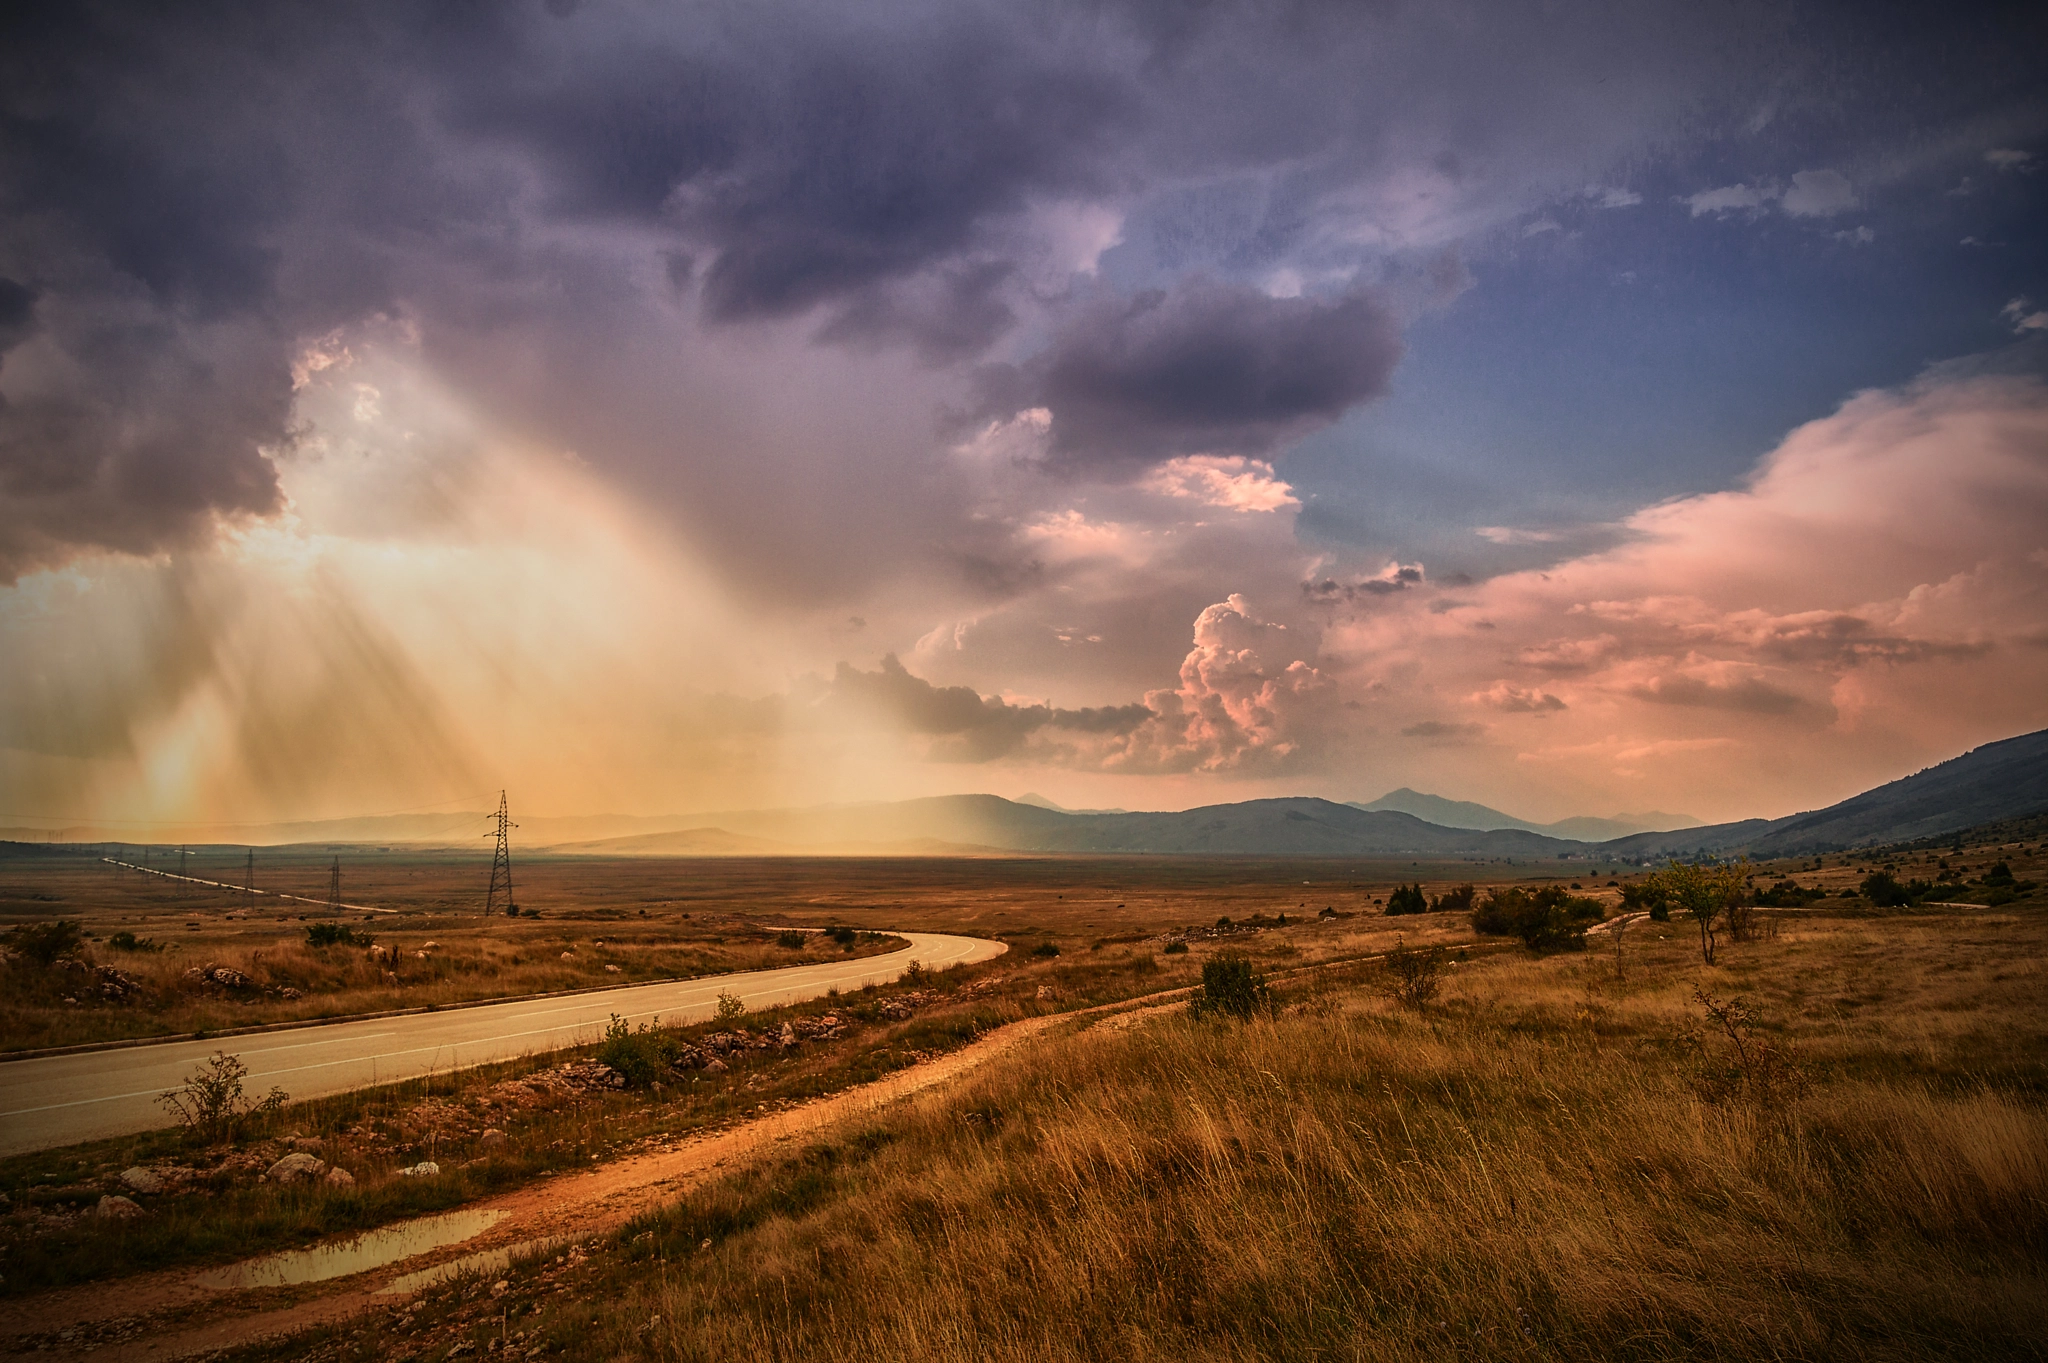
point(1206, 368)
point(1819, 194)
point(1443, 731)
point(2024, 317)
point(1750, 199)
point(1517, 700)
point(1873, 588)
point(1395, 577)
point(1232, 482)
point(968, 726)
point(1246, 702)
point(1752, 694)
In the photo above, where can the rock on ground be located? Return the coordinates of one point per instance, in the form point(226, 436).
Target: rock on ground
point(142, 1180)
point(117, 1208)
point(299, 1167)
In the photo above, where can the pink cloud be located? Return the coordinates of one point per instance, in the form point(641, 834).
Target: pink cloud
point(1864, 602)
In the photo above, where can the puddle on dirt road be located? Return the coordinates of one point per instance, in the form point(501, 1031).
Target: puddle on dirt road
point(490, 1261)
point(371, 1249)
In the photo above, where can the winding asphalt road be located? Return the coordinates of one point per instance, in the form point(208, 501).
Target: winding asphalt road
point(63, 1099)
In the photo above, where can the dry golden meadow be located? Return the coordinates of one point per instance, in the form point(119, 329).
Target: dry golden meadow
point(1562, 1157)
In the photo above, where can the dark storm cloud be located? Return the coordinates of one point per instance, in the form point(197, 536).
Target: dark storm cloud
point(973, 728)
point(189, 196)
point(1206, 368)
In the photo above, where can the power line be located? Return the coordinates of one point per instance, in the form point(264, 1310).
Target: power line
point(501, 861)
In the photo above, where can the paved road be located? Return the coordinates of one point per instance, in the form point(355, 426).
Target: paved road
point(62, 1099)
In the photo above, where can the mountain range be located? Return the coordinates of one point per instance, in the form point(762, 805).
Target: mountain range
point(1465, 814)
point(2003, 780)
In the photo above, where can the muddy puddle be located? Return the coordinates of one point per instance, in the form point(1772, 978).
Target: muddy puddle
point(371, 1249)
point(489, 1261)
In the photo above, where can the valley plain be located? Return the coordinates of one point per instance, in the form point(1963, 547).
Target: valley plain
point(1551, 1158)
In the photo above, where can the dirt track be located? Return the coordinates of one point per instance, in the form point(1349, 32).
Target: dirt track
point(153, 1317)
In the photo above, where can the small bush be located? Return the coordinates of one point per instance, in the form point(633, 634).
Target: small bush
point(844, 936)
point(1046, 950)
point(1454, 901)
point(128, 941)
point(1888, 892)
point(1176, 948)
point(793, 940)
point(730, 1008)
point(640, 1056)
point(1232, 989)
point(336, 935)
point(1407, 899)
point(1734, 1060)
point(1549, 919)
point(45, 943)
point(1415, 976)
point(211, 1106)
point(1647, 895)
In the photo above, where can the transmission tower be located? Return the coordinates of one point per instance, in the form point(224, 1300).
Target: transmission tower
point(501, 862)
point(249, 883)
point(334, 887)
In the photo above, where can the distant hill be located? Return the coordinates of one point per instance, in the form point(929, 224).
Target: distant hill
point(2005, 780)
point(1465, 814)
point(987, 823)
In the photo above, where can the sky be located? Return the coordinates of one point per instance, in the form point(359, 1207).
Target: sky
point(666, 408)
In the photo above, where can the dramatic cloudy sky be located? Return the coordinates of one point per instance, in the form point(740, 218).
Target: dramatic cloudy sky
point(670, 407)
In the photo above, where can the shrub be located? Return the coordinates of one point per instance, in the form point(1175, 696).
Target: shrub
point(640, 1056)
point(1046, 950)
point(211, 1106)
point(45, 943)
point(844, 936)
point(793, 940)
point(128, 941)
point(336, 934)
point(730, 1008)
point(1885, 890)
point(1454, 901)
point(1415, 976)
point(1176, 948)
point(1231, 988)
point(1549, 919)
point(1648, 896)
point(1407, 899)
point(1734, 1060)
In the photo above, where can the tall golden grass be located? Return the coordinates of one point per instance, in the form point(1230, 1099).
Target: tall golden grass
point(1527, 1172)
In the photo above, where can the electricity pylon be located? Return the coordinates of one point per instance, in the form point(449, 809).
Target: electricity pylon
point(334, 887)
point(501, 862)
point(249, 883)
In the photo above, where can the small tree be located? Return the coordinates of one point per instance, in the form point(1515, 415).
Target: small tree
point(730, 1009)
point(211, 1106)
point(1231, 987)
point(1705, 891)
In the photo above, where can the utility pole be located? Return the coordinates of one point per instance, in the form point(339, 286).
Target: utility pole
point(249, 882)
point(501, 861)
point(334, 887)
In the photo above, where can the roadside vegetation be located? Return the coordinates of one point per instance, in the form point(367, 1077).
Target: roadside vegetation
point(66, 985)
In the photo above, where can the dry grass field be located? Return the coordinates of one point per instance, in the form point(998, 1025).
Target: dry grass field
point(1564, 1156)
point(1528, 1170)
